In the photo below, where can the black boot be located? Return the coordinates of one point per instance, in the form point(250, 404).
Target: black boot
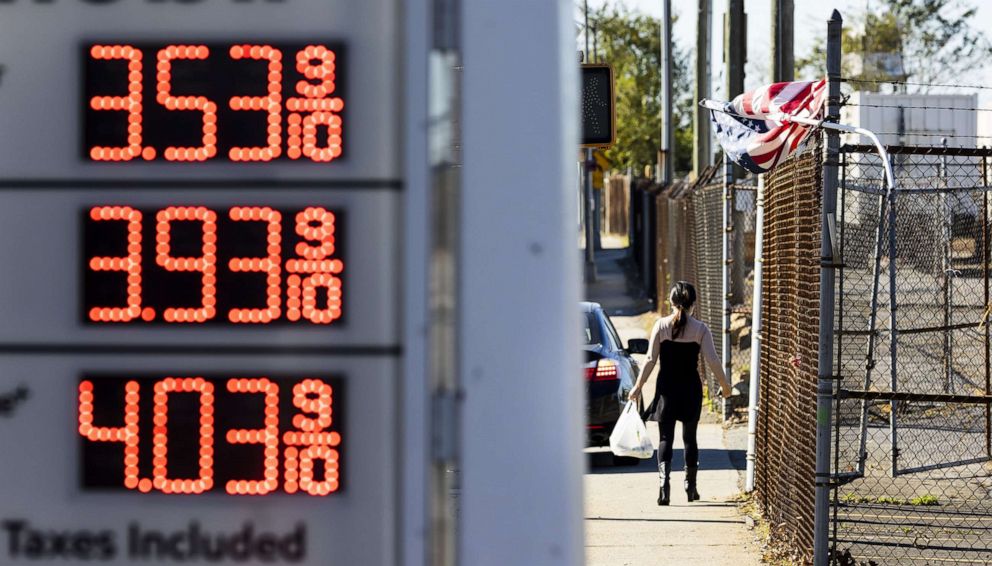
point(665, 491)
point(690, 483)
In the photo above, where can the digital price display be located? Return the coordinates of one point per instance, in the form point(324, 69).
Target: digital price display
point(203, 101)
point(217, 377)
point(209, 434)
point(195, 265)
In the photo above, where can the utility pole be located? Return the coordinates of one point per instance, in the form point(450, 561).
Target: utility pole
point(665, 171)
point(587, 193)
point(593, 197)
point(595, 46)
point(783, 41)
point(666, 155)
point(585, 27)
point(734, 47)
point(734, 58)
point(701, 157)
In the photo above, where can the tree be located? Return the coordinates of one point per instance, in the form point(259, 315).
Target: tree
point(631, 43)
point(921, 41)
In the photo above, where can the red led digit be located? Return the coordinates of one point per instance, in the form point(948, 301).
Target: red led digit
point(130, 103)
point(160, 437)
point(268, 436)
point(317, 270)
point(198, 103)
point(315, 63)
point(270, 264)
point(315, 225)
point(206, 263)
point(127, 434)
point(272, 103)
point(302, 298)
point(310, 125)
point(314, 397)
point(308, 482)
point(129, 264)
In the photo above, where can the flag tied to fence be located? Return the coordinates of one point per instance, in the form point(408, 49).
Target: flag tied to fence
point(754, 128)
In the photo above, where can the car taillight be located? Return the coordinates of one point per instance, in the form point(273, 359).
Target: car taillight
point(605, 370)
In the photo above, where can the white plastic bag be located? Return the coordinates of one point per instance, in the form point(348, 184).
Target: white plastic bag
point(629, 436)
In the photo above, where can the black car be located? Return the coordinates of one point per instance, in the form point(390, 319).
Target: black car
point(609, 371)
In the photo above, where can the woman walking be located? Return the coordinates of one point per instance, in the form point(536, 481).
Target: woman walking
point(676, 341)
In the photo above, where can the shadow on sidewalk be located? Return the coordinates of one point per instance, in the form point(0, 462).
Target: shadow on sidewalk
point(618, 285)
point(709, 459)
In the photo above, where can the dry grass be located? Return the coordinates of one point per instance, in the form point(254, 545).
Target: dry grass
point(771, 554)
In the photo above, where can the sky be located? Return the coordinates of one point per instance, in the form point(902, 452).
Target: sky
point(810, 21)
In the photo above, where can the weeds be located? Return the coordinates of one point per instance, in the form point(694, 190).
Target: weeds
point(919, 501)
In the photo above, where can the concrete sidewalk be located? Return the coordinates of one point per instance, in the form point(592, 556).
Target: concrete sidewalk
point(625, 526)
point(617, 287)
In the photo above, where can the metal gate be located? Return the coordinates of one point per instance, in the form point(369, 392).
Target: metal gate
point(912, 445)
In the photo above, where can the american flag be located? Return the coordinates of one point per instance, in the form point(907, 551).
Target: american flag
point(754, 128)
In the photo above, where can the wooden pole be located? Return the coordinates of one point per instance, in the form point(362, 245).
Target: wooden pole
point(783, 41)
point(702, 156)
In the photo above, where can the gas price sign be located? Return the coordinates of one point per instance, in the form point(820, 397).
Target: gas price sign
point(206, 267)
point(196, 102)
point(199, 352)
point(254, 415)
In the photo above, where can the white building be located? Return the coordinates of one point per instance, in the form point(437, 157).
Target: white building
point(913, 120)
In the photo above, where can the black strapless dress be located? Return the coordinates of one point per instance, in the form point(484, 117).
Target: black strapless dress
point(678, 393)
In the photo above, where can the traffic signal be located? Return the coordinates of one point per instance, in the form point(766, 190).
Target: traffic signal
point(598, 106)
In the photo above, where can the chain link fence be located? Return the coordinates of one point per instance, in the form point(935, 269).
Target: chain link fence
point(744, 207)
point(786, 436)
point(912, 443)
point(676, 241)
point(708, 227)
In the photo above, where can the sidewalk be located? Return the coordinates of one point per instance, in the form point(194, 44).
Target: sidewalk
point(617, 288)
point(624, 525)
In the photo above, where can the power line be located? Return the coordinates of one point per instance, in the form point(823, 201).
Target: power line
point(910, 133)
point(918, 107)
point(853, 80)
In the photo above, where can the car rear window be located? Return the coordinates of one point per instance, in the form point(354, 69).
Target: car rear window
point(591, 334)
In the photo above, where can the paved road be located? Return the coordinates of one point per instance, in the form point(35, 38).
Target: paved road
point(625, 526)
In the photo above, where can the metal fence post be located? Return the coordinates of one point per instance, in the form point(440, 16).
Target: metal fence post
point(727, 292)
point(824, 389)
point(590, 218)
point(947, 219)
point(985, 274)
point(893, 335)
point(753, 385)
